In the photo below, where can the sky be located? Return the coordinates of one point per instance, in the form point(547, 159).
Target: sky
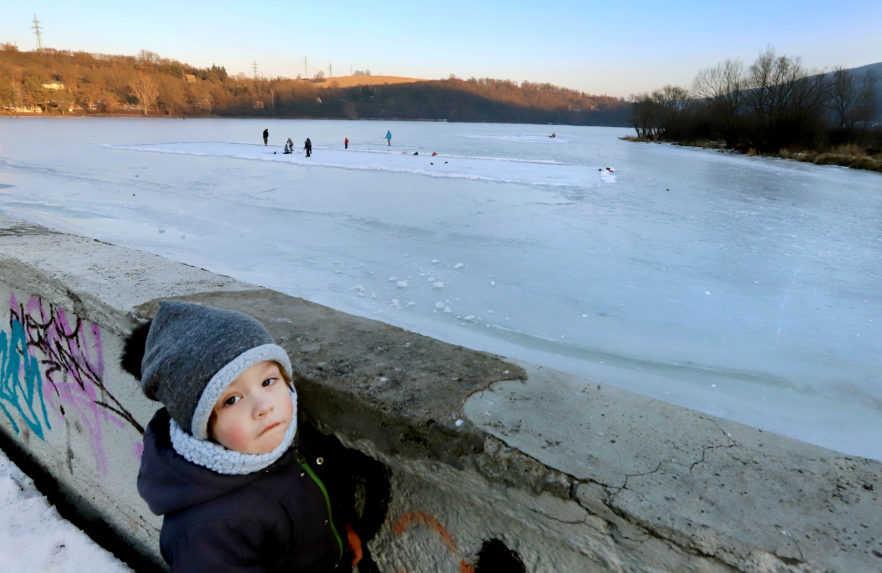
point(607, 48)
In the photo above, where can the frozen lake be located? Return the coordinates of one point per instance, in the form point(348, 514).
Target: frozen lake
point(744, 287)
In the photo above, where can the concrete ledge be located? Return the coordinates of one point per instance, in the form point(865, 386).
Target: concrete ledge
point(569, 474)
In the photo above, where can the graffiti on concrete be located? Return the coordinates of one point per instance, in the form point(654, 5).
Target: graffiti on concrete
point(21, 386)
point(412, 518)
point(73, 369)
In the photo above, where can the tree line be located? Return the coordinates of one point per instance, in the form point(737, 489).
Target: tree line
point(772, 106)
point(57, 81)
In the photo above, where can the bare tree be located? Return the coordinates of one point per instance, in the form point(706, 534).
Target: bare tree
point(865, 108)
point(148, 57)
point(655, 115)
point(645, 116)
point(843, 97)
point(722, 82)
point(723, 89)
point(145, 89)
point(771, 82)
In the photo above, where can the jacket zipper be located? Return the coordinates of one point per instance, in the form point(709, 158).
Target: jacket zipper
point(321, 486)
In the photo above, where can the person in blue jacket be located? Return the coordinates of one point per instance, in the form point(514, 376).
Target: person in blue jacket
point(220, 460)
point(388, 137)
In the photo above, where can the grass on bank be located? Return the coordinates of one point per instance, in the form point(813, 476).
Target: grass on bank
point(849, 155)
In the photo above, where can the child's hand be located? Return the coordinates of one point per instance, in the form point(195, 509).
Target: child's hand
point(354, 544)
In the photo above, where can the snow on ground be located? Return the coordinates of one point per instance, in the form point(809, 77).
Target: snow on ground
point(33, 537)
point(742, 287)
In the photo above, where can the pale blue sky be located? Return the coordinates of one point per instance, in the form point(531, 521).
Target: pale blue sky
point(591, 46)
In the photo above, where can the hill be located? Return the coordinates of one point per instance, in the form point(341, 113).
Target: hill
point(62, 82)
point(364, 80)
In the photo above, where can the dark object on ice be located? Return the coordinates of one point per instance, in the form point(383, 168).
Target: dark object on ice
point(445, 163)
point(431, 163)
point(553, 134)
point(346, 143)
point(416, 152)
point(289, 146)
point(265, 136)
point(496, 557)
point(307, 145)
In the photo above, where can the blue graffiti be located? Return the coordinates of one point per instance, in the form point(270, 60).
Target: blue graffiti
point(25, 397)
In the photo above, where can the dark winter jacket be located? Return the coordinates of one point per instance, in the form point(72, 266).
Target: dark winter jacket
point(276, 519)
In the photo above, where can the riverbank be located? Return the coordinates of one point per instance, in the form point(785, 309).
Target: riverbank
point(850, 155)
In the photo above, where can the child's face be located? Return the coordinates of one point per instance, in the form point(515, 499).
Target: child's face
point(254, 412)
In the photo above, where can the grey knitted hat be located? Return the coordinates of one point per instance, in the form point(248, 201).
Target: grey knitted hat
point(194, 352)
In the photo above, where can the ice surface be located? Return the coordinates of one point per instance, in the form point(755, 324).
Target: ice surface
point(744, 287)
point(498, 169)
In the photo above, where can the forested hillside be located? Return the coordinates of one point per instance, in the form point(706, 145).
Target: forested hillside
point(60, 82)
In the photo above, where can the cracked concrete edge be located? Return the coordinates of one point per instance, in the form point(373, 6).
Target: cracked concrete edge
point(713, 487)
point(366, 379)
point(536, 525)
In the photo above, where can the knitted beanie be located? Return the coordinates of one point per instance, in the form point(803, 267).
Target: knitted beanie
point(190, 355)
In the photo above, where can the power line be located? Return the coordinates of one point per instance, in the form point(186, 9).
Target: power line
point(37, 33)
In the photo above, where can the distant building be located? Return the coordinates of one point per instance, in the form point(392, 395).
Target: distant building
point(190, 78)
point(54, 86)
point(258, 104)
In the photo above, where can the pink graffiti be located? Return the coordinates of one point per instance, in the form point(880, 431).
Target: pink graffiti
point(73, 370)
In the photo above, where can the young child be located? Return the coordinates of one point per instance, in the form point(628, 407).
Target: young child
point(218, 461)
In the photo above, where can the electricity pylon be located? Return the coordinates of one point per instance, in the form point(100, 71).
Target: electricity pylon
point(37, 33)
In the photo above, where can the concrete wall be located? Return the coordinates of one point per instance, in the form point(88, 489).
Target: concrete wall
point(564, 474)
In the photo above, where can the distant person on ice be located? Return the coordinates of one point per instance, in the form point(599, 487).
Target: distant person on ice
point(265, 136)
point(307, 145)
point(388, 137)
point(220, 461)
point(289, 146)
point(346, 143)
